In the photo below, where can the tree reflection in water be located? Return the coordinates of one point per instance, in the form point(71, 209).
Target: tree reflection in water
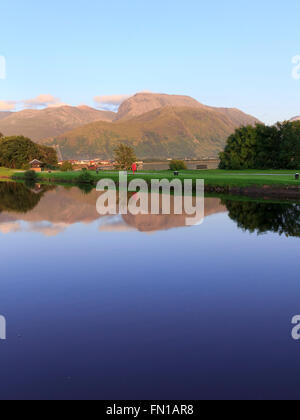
point(20, 198)
point(282, 218)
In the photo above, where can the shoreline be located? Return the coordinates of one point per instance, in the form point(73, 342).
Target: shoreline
point(266, 192)
point(247, 184)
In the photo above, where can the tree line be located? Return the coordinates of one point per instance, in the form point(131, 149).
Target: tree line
point(17, 151)
point(263, 147)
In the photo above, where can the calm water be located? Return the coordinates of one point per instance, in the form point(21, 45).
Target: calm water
point(143, 307)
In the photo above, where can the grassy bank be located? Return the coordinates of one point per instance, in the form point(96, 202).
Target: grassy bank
point(213, 178)
point(6, 174)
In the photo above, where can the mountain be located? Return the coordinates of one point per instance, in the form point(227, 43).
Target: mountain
point(141, 103)
point(169, 131)
point(50, 122)
point(4, 114)
point(295, 119)
point(156, 125)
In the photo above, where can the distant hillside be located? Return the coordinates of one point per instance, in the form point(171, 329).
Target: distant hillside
point(4, 114)
point(169, 131)
point(49, 122)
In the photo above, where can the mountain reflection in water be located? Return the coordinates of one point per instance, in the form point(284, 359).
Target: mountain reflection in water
point(51, 210)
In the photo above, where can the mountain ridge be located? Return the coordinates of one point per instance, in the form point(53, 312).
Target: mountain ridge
point(50, 122)
point(165, 132)
point(141, 103)
point(156, 125)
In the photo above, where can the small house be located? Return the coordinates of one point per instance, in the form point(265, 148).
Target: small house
point(36, 165)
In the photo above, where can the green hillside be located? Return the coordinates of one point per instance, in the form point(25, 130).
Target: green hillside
point(166, 132)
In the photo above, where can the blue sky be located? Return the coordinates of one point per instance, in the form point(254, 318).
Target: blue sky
point(231, 53)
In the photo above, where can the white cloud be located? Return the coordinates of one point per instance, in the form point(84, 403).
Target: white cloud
point(8, 105)
point(110, 101)
point(10, 227)
point(46, 229)
point(42, 101)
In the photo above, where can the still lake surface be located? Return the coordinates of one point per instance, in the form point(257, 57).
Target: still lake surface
point(142, 307)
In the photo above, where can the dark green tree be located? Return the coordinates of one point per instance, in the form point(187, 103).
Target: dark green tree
point(263, 147)
point(17, 151)
point(290, 145)
point(240, 150)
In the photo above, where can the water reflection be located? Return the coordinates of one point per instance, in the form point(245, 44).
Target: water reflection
point(282, 218)
point(86, 308)
point(19, 198)
point(51, 210)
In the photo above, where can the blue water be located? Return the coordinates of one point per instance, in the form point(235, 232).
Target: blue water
point(185, 313)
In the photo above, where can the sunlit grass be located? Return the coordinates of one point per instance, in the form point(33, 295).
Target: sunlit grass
point(211, 177)
point(6, 174)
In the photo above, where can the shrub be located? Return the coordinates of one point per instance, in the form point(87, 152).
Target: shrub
point(66, 167)
point(177, 165)
point(85, 178)
point(30, 176)
point(26, 167)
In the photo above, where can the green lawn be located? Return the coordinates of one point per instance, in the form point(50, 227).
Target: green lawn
point(211, 177)
point(6, 173)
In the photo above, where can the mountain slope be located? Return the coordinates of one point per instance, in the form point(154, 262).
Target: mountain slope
point(157, 125)
point(50, 122)
point(165, 132)
point(141, 103)
point(4, 114)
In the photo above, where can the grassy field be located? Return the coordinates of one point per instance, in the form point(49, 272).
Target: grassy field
point(6, 173)
point(212, 177)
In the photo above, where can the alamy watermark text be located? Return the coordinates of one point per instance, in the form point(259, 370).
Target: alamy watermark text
point(296, 67)
point(2, 328)
point(154, 199)
point(2, 67)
